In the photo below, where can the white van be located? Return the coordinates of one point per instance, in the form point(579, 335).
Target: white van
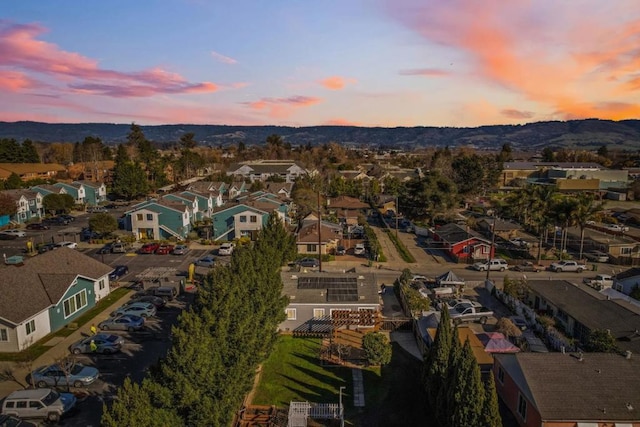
point(42, 403)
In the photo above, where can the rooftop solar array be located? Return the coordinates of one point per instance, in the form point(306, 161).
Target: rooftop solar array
point(342, 295)
point(328, 283)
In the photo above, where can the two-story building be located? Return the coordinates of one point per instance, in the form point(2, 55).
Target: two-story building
point(46, 293)
point(94, 192)
point(29, 171)
point(261, 170)
point(28, 203)
point(158, 219)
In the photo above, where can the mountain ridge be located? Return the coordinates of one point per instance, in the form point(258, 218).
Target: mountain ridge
point(583, 134)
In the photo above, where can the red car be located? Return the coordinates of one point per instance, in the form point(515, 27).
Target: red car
point(164, 249)
point(148, 248)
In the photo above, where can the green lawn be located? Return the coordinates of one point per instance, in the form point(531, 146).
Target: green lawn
point(393, 394)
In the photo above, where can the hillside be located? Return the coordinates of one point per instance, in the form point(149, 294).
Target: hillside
point(585, 134)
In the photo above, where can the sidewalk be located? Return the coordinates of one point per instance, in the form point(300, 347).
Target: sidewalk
point(59, 349)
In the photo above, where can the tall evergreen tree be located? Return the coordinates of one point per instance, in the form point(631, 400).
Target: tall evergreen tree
point(467, 391)
point(490, 409)
point(437, 360)
point(29, 152)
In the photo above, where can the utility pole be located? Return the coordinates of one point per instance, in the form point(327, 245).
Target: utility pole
point(397, 215)
point(341, 409)
point(493, 243)
point(319, 235)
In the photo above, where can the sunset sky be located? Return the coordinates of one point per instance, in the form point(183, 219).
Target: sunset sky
point(319, 62)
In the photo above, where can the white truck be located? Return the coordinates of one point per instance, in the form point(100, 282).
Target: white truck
point(470, 312)
point(572, 266)
point(496, 264)
point(599, 282)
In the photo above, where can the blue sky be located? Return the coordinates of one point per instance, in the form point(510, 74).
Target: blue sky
point(302, 63)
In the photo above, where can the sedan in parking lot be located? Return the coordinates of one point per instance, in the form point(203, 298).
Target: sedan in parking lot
point(207, 261)
point(164, 249)
point(180, 250)
point(118, 272)
point(148, 248)
point(156, 301)
point(14, 232)
point(65, 244)
point(73, 374)
point(309, 262)
point(142, 309)
point(122, 323)
point(37, 226)
point(105, 344)
point(106, 249)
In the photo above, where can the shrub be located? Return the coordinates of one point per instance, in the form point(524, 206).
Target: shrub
point(377, 348)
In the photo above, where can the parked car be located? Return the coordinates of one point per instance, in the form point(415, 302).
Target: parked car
point(359, 249)
point(572, 266)
point(496, 264)
point(119, 248)
point(67, 217)
point(14, 232)
point(97, 209)
point(5, 236)
point(122, 323)
point(206, 261)
point(164, 249)
point(105, 344)
point(88, 234)
point(106, 249)
point(37, 226)
point(309, 262)
point(11, 421)
point(47, 247)
point(142, 309)
point(148, 248)
point(55, 221)
point(158, 302)
point(165, 292)
point(38, 403)
point(66, 244)
point(226, 249)
point(529, 266)
point(341, 250)
point(597, 256)
point(180, 250)
point(76, 375)
point(519, 242)
point(118, 272)
point(616, 227)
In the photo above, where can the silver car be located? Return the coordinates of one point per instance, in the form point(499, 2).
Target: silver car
point(122, 323)
point(73, 374)
point(142, 309)
point(105, 344)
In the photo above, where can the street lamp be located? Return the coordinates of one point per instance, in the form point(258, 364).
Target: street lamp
point(341, 408)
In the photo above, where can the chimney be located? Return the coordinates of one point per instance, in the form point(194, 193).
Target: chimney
point(627, 354)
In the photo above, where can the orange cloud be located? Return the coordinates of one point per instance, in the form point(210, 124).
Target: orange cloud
point(13, 81)
point(517, 114)
point(340, 122)
point(20, 49)
point(336, 82)
point(568, 62)
point(280, 108)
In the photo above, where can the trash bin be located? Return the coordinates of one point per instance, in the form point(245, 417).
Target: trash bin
point(594, 267)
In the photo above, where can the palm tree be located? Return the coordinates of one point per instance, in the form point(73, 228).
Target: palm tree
point(541, 201)
point(585, 209)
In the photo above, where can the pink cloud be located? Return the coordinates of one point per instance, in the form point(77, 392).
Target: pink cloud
point(283, 107)
point(336, 82)
point(542, 50)
point(341, 122)
point(222, 58)
point(517, 114)
point(14, 81)
point(20, 49)
point(427, 72)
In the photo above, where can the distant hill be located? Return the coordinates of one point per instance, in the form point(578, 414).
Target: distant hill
point(585, 134)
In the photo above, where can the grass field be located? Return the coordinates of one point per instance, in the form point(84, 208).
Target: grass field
point(393, 394)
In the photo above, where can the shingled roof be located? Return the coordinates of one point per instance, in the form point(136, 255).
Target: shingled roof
point(565, 387)
point(42, 281)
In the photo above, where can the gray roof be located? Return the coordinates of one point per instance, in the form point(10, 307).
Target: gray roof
point(453, 233)
point(563, 388)
point(538, 165)
point(593, 309)
point(43, 280)
point(367, 288)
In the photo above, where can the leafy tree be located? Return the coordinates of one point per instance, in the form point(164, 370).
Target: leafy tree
point(603, 151)
point(548, 154)
point(29, 152)
point(468, 171)
point(13, 182)
point(506, 326)
point(54, 203)
point(601, 341)
point(506, 154)
point(377, 348)
point(8, 206)
point(103, 223)
point(187, 140)
point(10, 151)
point(517, 288)
point(129, 180)
point(490, 416)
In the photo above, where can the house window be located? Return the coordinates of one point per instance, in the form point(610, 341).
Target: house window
point(318, 313)
point(4, 335)
point(312, 248)
point(500, 375)
point(291, 313)
point(243, 218)
point(139, 217)
point(562, 316)
point(253, 218)
point(101, 285)
point(31, 326)
point(625, 251)
point(149, 217)
point(522, 407)
point(75, 303)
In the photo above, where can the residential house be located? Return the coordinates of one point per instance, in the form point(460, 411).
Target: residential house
point(484, 359)
point(307, 239)
point(347, 209)
point(627, 280)
point(74, 189)
point(189, 200)
point(94, 192)
point(236, 189)
point(320, 301)
point(46, 293)
point(462, 243)
point(46, 189)
point(261, 170)
point(621, 248)
point(29, 171)
point(502, 228)
point(280, 188)
point(580, 309)
point(569, 390)
point(158, 219)
point(29, 204)
point(98, 172)
point(385, 202)
point(237, 220)
point(206, 201)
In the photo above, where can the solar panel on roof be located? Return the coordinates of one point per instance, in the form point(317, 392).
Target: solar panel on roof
point(336, 295)
point(327, 282)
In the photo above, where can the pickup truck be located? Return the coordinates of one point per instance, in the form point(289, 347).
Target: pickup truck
point(470, 312)
point(561, 266)
point(600, 281)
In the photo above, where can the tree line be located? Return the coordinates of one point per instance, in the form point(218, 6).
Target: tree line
point(216, 345)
